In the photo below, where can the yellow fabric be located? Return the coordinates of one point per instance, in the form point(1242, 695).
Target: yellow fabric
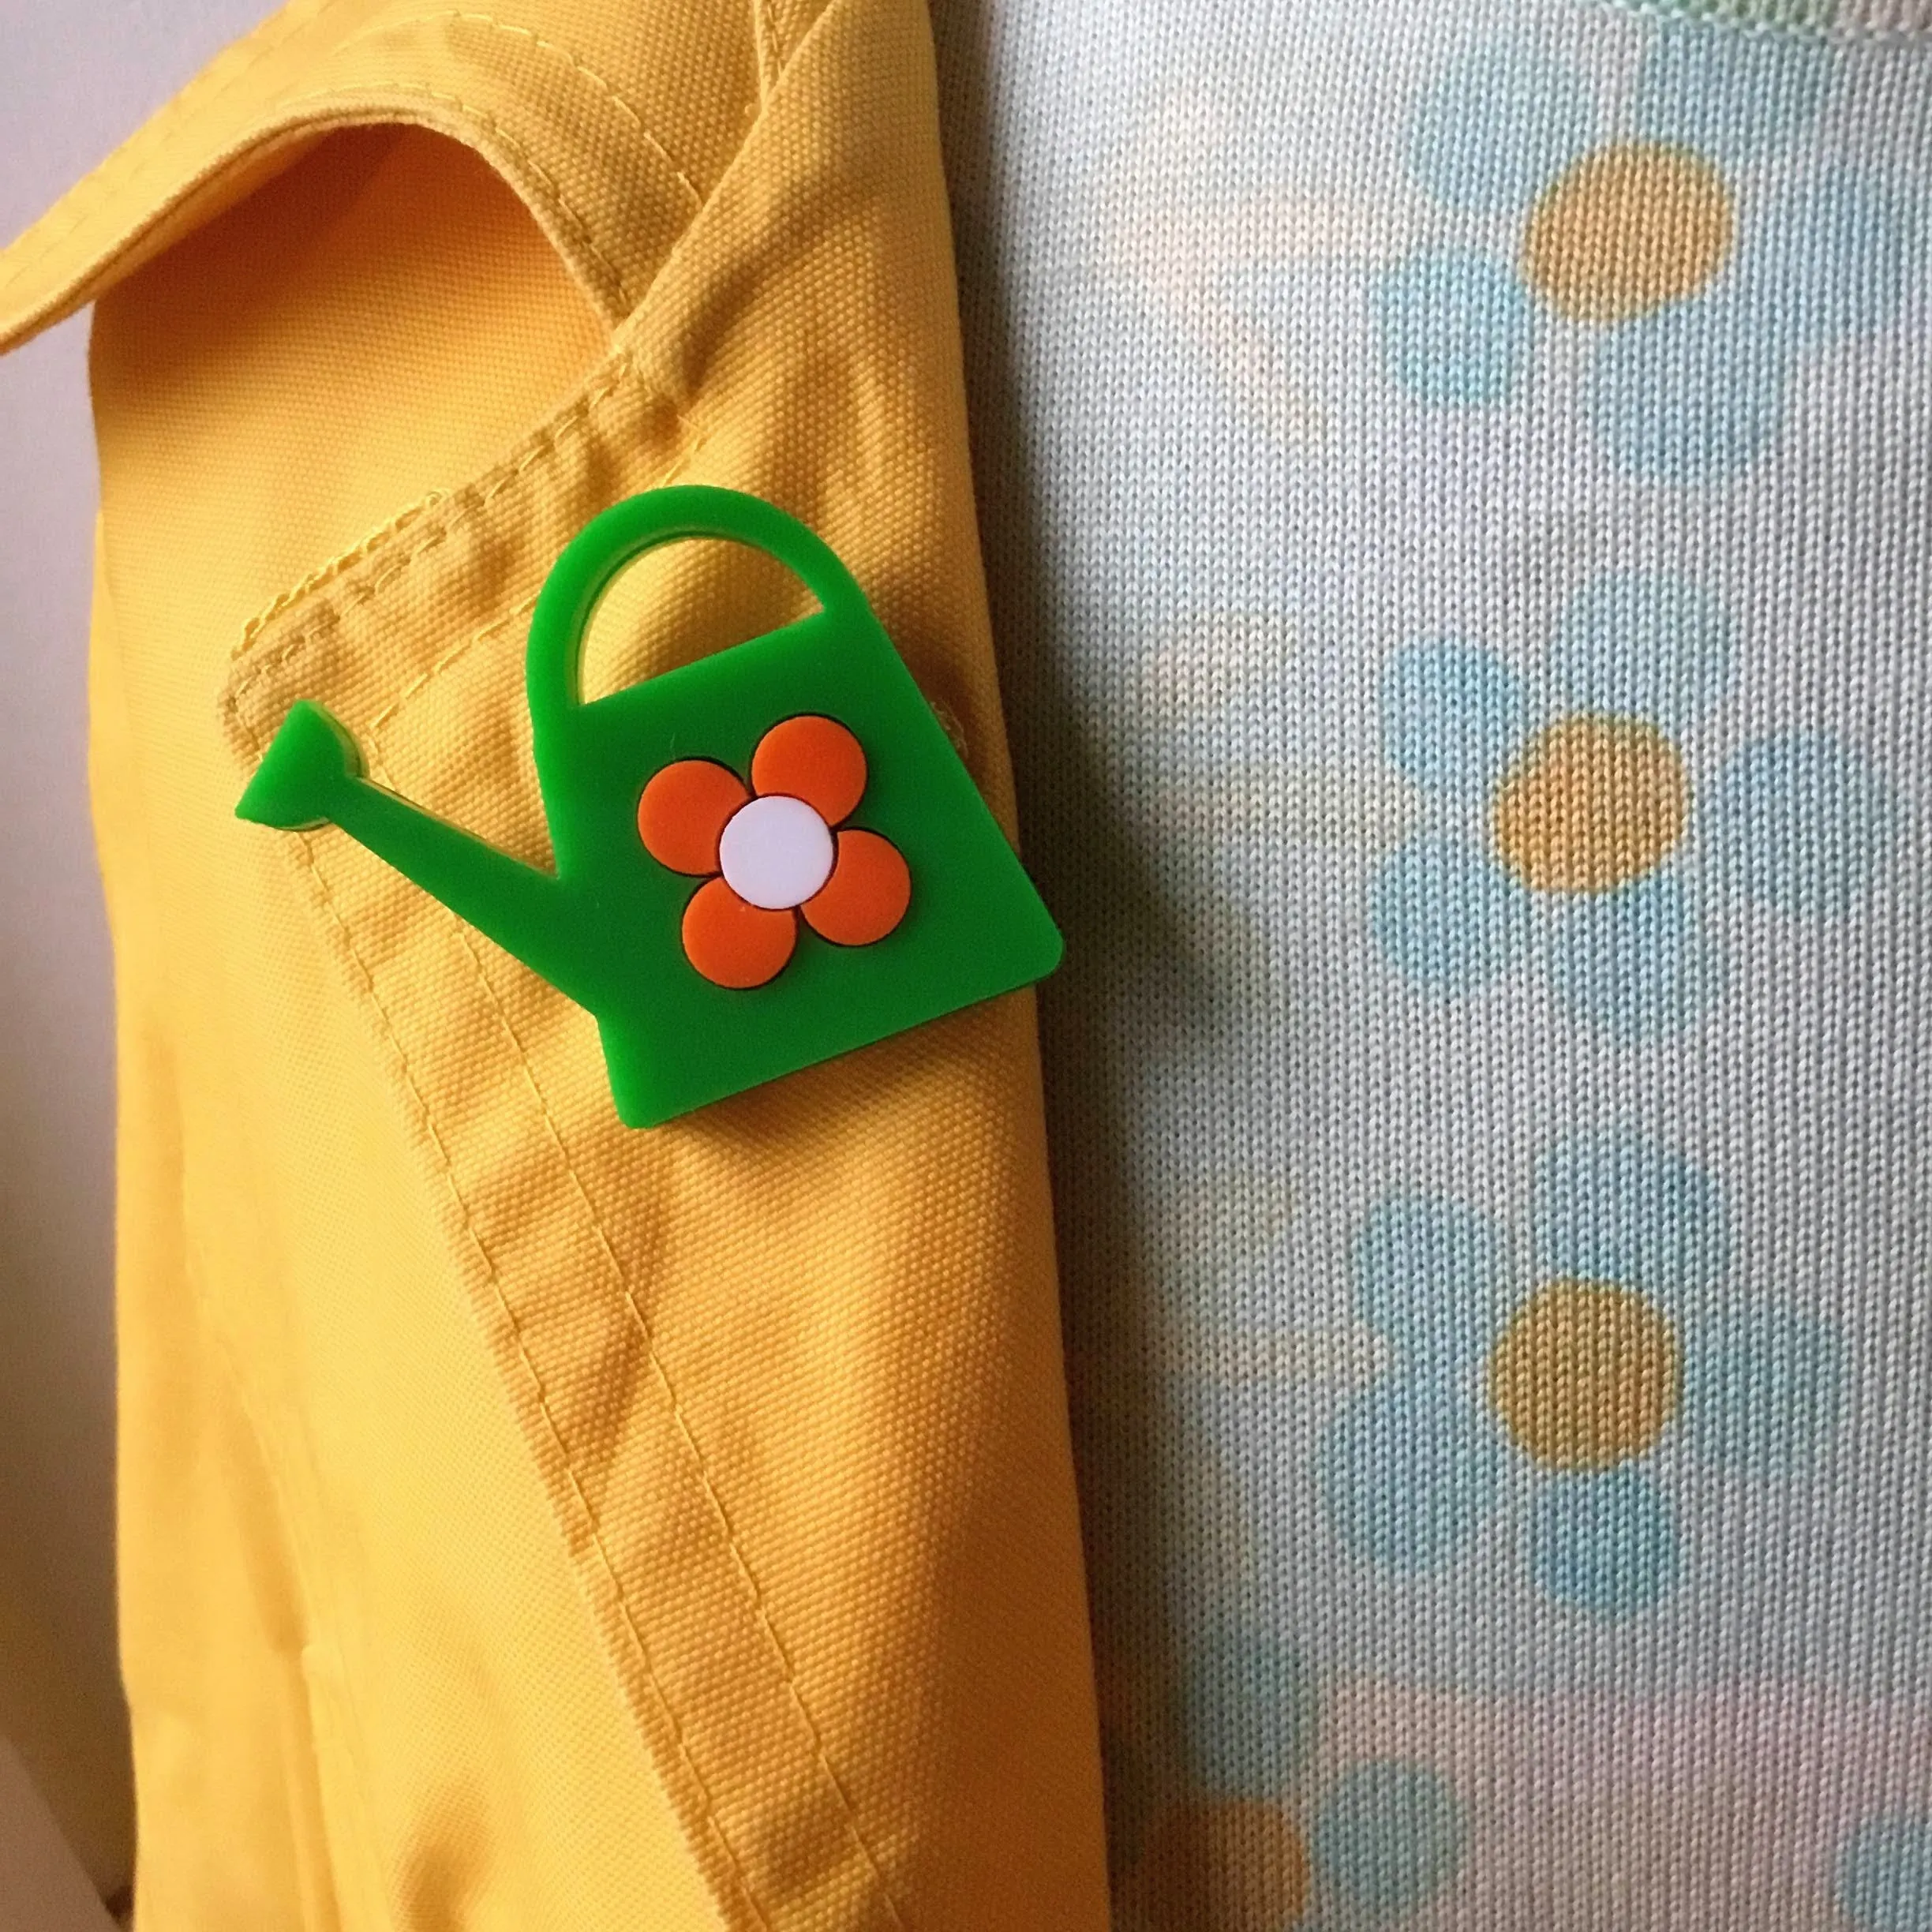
point(526, 1522)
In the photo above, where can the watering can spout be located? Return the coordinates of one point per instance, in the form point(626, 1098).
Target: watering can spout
point(312, 775)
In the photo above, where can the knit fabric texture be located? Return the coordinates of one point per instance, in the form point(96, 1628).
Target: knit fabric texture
point(1457, 503)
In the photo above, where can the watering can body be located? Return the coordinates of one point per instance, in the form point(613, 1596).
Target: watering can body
point(605, 927)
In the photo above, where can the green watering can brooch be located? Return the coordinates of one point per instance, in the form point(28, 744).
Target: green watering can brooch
point(763, 859)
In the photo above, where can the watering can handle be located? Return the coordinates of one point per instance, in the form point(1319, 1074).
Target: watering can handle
point(622, 534)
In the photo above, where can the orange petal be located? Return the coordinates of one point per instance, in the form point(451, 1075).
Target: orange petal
point(866, 895)
point(683, 813)
point(733, 943)
point(814, 758)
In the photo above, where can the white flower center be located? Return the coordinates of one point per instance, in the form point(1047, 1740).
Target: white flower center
point(775, 852)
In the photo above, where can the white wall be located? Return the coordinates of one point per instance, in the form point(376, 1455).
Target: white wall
point(78, 76)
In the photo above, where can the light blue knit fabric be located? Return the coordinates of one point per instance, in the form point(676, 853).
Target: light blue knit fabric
point(1457, 489)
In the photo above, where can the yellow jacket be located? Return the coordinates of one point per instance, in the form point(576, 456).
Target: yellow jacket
point(527, 1523)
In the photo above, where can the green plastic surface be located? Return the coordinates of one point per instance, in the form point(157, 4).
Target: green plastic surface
point(603, 927)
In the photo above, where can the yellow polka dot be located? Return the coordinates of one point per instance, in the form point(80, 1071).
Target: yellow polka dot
point(1586, 1375)
point(1627, 230)
point(1593, 803)
point(1237, 1866)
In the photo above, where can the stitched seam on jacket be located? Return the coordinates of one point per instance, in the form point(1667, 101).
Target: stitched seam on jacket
point(577, 1488)
point(545, 184)
point(423, 679)
point(578, 65)
point(333, 568)
point(446, 1168)
point(463, 505)
point(626, 1287)
point(765, 38)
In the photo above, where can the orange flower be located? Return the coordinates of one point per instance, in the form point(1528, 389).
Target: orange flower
point(771, 853)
